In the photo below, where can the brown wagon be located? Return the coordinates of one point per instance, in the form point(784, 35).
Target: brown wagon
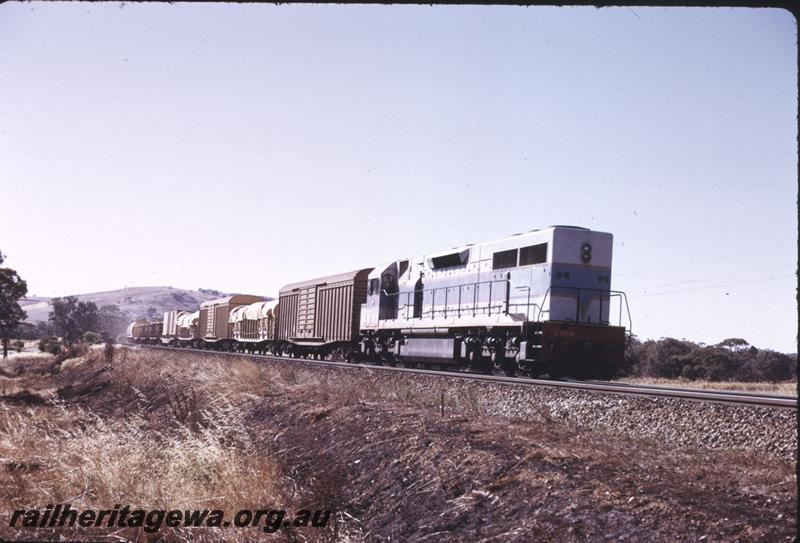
point(212, 326)
point(321, 316)
point(136, 331)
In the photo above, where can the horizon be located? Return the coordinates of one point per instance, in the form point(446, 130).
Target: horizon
point(275, 297)
point(261, 145)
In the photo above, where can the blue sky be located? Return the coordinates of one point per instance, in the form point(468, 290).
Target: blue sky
point(242, 147)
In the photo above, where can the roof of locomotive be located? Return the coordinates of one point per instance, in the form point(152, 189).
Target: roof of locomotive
point(338, 278)
point(461, 248)
point(512, 236)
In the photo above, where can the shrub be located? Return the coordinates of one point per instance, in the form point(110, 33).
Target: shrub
point(18, 345)
point(50, 344)
point(92, 338)
point(769, 366)
point(664, 358)
point(731, 360)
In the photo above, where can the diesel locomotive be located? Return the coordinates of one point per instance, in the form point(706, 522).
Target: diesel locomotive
point(532, 304)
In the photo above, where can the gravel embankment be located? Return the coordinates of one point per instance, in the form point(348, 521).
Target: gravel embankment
point(683, 423)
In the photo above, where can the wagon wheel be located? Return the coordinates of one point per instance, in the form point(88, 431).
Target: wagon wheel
point(388, 359)
point(338, 354)
point(353, 356)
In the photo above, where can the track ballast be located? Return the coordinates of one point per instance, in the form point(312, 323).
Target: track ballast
point(729, 397)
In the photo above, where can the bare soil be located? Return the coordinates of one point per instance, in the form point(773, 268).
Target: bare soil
point(394, 465)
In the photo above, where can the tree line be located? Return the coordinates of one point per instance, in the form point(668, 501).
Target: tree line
point(70, 321)
point(732, 359)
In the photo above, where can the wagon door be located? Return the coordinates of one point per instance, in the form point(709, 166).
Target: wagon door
point(306, 310)
point(287, 320)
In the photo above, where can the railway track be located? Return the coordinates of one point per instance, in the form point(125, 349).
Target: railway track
point(720, 396)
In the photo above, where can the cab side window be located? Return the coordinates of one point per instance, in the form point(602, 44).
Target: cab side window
point(533, 254)
point(504, 259)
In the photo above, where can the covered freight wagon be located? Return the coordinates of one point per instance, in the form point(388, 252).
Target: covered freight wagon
point(136, 330)
point(180, 327)
point(322, 315)
point(212, 324)
point(186, 326)
point(254, 324)
point(151, 332)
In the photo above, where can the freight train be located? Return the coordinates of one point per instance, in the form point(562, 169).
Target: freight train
point(532, 304)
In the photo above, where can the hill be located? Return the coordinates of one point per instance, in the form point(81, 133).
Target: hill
point(135, 302)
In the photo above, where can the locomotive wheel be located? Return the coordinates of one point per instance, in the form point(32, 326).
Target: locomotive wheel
point(476, 362)
point(556, 373)
point(509, 367)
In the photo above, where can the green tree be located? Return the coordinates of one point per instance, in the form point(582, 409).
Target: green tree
point(12, 288)
point(92, 338)
point(111, 320)
point(767, 365)
point(50, 344)
point(734, 344)
point(71, 318)
point(666, 357)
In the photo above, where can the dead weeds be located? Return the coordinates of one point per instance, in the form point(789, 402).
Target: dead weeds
point(395, 463)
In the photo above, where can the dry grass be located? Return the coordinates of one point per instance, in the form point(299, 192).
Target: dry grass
point(784, 387)
point(180, 441)
point(72, 455)
point(179, 430)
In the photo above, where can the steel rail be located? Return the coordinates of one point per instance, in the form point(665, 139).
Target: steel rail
point(727, 397)
point(692, 389)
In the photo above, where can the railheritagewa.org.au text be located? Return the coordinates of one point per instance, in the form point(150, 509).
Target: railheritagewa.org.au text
point(63, 515)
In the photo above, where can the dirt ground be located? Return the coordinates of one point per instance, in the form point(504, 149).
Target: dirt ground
point(394, 466)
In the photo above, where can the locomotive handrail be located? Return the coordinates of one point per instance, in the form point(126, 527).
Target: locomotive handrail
point(502, 307)
point(611, 293)
point(505, 306)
